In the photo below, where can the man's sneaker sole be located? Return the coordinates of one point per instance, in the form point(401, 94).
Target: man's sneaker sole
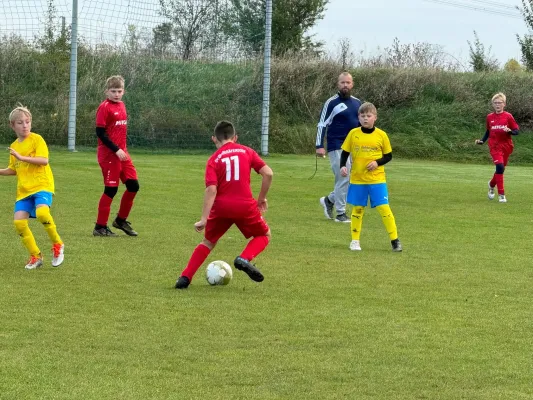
point(328, 212)
point(249, 269)
point(126, 231)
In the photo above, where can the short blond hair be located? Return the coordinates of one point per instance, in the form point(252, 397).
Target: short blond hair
point(368, 108)
point(19, 109)
point(499, 96)
point(114, 82)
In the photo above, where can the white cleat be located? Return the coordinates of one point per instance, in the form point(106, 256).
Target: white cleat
point(35, 262)
point(502, 199)
point(328, 207)
point(355, 246)
point(58, 254)
point(491, 193)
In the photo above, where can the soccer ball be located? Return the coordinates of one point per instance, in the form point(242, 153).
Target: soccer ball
point(218, 273)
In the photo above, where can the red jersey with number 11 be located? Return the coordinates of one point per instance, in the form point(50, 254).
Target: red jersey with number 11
point(229, 170)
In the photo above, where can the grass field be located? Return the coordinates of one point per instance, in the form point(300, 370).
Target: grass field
point(449, 318)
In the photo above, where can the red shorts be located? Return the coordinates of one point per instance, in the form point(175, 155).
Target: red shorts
point(252, 225)
point(115, 170)
point(500, 154)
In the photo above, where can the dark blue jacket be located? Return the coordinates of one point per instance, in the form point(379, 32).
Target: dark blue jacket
point(339, 116)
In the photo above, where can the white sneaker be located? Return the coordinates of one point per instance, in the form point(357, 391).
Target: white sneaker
point(35, 262)
point(355, 246)
point(490, 194)
point(58, 255)
point(502, 199)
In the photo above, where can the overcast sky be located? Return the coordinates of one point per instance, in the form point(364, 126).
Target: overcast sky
point(369, 24)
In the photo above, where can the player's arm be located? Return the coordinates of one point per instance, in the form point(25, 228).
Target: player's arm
point(29, 160)
point(321, 128)
point(484, 138)
point(7, 171)
point(379, 162)
point(209, 199)
point(266, 174)
point(344, 159)
point(102, 135)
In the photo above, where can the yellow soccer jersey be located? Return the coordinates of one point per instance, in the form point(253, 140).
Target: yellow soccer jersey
point(364, 148)
point(31, 178)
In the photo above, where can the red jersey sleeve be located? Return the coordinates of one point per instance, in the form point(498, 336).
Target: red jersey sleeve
point(101, 116)
point(256, 162)
point(210, 174)
point(511, 123)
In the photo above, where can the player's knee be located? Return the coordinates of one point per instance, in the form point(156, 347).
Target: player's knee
point(208, 244)
point(110, 191)
point(500, 168)
point(132, 185)
point(43, 215)
point(357, 211)
point(20, 225)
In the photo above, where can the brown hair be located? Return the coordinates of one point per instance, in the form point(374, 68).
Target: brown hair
point(368, 108)
point(114, 82)
point(224, 130)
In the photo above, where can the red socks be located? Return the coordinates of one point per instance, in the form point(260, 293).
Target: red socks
point(255, 247)
point(198, 257)
point(126, 203)
point(497, 180)
point(104, 209)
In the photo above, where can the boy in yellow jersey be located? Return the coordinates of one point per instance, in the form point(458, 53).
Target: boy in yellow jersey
point(371, 150)
point(35, 187)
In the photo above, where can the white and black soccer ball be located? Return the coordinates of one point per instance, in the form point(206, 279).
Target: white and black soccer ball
point(218, 273)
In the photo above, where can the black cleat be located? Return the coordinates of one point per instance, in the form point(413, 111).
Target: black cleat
point(182, 283)
point(396, 245)
point(124, 226)
point(247, 267)
point(103, 231)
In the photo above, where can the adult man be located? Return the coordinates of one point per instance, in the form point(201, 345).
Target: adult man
point(339, 116)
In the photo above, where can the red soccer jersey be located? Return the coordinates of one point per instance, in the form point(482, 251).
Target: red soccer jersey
point(113, 117)
point(495, 125)
point(229, 170)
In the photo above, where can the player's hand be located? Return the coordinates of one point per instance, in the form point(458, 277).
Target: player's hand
point(262, 205)
point(200, 225)
point(372, 165)
point(122, 155)
point(479, 141)
point(14, 153)
point(344, 171)
point(321, 153)
point(507, 129)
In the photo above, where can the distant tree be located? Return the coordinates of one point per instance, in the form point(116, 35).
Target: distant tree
point(512, 66)
point(53, 40)
point(346, 55)
point(162, 38)
point(191, 23)
point(291, 20)
point(526, 41)
point(480, 59)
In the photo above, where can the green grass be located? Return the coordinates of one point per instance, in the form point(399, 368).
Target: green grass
point(449, 318)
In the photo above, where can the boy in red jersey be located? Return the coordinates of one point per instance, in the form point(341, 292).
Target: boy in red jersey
point(500, 127)
point(228, 200)
point(114, 160)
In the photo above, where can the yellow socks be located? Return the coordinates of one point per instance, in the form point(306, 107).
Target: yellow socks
point(45, 218)
point(388, 220)
point(357, 221)
point(23, 230)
